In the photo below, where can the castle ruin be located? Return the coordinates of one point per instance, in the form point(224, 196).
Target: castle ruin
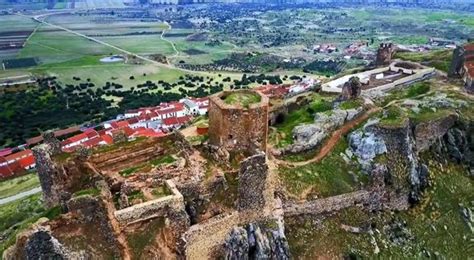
point(238, 121)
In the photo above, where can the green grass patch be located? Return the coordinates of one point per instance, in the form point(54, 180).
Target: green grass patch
point(328, 177)
point(245, 99)
point(351, 104)
point(428, 114)
point(130, 171)
point(87, 192)
point(393, 116)
point(14, 186)
point(160, 192)
point(439, 59)
point(136, 195)
point(283, 135)
point(418, 89)
point(167, 159)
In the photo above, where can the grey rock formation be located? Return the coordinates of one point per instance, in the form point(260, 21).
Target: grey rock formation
point(237, 245)
point(308, 137)
point(351, 89)
point(256, 242)
point(457, 62)
point(41, 245)
point(366, 145)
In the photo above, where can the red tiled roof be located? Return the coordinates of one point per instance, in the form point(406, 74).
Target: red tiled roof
point(176, 120)
point(27, 162)
point(148, 133)
point(5, 172)
point(77, 138)
point(58, 133)
point(107, 138)
point(92, 134)
point(92, 142)
point(119, 124)
point(132, 121)
point(470, 68)
point(18, 155)
point(16, 167)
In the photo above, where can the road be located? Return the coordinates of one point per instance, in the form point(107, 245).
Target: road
point(20, 195)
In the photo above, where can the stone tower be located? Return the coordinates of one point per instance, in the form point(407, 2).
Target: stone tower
point(384, 54)
point(238, 121)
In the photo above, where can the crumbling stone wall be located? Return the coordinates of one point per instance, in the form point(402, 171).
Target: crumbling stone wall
point(351, 89)
point(253, 177)
point(151, 209)
point(59, 178)
point(202, 240)
point(235, 128)
point(277, 113)
point(128, 155)
point(328, 205)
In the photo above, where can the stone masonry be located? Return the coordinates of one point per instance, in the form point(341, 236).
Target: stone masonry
point(236, 128)
point(252, 180)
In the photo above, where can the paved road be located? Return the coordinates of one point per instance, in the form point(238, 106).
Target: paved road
point(20, 195)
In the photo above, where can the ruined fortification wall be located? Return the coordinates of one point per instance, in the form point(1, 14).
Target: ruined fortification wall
point(151, 209)
point(328, 205)
point(202, 239)
point(253, 177)
point(236, 128)
point(128, 155)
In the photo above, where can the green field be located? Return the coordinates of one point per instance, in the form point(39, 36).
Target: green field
point(14, 186)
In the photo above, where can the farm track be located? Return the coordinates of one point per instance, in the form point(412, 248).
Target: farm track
point(143, 58)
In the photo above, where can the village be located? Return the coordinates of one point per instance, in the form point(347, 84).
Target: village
point(156, 121)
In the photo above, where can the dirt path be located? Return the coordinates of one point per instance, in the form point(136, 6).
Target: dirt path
point(176, 52)
point(332, 141)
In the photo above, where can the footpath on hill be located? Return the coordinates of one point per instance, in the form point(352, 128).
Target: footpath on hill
point(330, 143)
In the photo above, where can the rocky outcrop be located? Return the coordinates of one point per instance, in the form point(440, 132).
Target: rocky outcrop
point(37, 243)
point(41, 245)
point(407, 175)
point(366, 145)
point(256, 241)
point(351, 89)
point(308, 137)
point(457, 62)
point(426, 133)
point(457, 145)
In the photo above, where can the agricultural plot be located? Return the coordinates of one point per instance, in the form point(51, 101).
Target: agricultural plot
point(90, 4)
point(13, 34)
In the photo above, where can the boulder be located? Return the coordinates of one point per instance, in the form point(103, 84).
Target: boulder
point(351, 89)
point(257, 241)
